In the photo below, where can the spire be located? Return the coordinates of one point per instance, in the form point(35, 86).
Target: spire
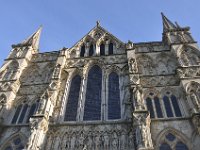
point(34, 39)
point(167, 24)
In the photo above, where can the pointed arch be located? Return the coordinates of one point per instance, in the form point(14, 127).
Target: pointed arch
point(82, 51)
point(170, 137)
point(91, 50)
point(14, 142)
point(102, 49)
point(110, 48)
point(92, 109)
point(72, 103)
point(114, 109)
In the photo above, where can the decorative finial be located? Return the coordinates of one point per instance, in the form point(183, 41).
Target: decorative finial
point(98, 23)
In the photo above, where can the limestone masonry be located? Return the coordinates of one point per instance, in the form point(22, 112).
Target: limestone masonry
point(103, 94)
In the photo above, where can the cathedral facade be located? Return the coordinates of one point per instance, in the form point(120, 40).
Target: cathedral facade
point(103, 94)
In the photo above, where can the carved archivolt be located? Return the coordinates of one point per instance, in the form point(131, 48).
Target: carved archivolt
point(171, 137)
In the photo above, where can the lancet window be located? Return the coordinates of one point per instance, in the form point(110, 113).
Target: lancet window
point(171, 105)
point(23, 113)
point(92, 109)
point(110, 49)
point(91, 50)
point(102, 49)
point(73, 98)
point(114, 110)
point(154, 106)
point(82, 53)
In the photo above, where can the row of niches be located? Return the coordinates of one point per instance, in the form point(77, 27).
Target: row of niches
point(89, 49)
point(164, 63)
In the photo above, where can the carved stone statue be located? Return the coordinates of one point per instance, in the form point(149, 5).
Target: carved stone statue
point(133, 66)
point(129, 45)
point(196, 122)
point(195, 101)
point(143, 137)
point(138, 98)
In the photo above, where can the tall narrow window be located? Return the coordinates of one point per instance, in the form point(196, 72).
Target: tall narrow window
point(82, 53)
point(102, 49)
point(17, 112)
point(176, 106)
point(114, 110)
point(72, 103)
point(150, 107)
point(91, 50)
point(23, 113)
point(110, 49)
point(167, 106)
point(158, 108)
point(92, 110)
point(31, 112)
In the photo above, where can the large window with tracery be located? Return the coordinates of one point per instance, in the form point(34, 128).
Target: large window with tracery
point(92, 109)
point(15, 144)
point(171, 142)
point(167, 107)
point(114, 110)
point(72, 103)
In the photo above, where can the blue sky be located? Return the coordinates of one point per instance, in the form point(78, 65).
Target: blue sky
point(66, 21)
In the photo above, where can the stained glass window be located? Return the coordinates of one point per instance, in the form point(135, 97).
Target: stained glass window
point(114, 110)
point(165, 146)
point(158, 107)
point(167, 106)
point(91, 50)
point(102, 49)
point(82, 53)
point(72, 103)
point(176, 106)
point(150, 107)
point(17, 112)
point(92, 110)
point(110, 50)
point(23, 113)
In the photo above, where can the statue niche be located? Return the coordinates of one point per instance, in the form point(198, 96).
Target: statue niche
point(193, 91)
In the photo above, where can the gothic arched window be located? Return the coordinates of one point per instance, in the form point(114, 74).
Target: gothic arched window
point(82, 53)
point(16, 115)
point(150, 107)
point(23, 113)
point(32, 111)
point(154, 106)
point(171, 105)
point(170, 141)
point(92, 110)
point(15, 144)
point(72, 103)
point(114, 110)
point(110, 49)
point(91, 50)
point(102, 49)
point(168, 107)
